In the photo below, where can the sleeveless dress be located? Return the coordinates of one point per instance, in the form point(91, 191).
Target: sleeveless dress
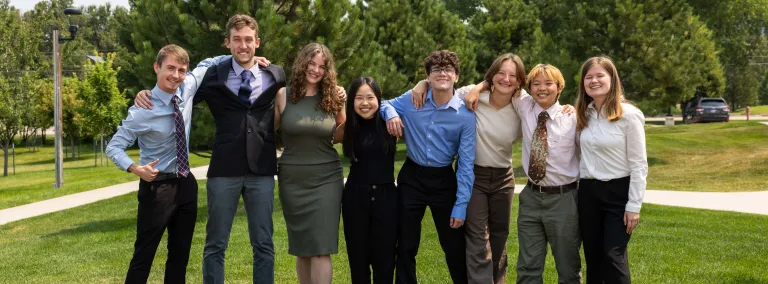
point(310, 178)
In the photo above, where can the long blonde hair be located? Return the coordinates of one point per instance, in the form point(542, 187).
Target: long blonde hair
point(612, 105)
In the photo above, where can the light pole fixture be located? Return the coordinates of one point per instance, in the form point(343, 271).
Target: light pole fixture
point(57, 123)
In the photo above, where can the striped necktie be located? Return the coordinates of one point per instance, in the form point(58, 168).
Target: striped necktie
point(182, 160)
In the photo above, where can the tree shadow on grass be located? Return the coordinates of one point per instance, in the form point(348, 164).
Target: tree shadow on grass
point(97, 227)
point(51, 161)
point(653, 161)
point(205, 154)
point(742, 279)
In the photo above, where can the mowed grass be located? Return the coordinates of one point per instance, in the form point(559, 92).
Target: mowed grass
point(753, 110)
point(692, 157)
point(35, 174)
point(729, 156)
point(94, 244)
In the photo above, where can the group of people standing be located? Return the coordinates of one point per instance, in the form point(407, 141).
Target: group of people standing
point(586, 166)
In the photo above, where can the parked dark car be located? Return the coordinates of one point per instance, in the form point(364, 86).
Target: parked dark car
point(706, 110)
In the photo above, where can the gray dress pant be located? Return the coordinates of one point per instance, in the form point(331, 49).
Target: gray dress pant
point(553, 219)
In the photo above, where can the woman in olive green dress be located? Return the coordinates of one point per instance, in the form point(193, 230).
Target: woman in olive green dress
point(310, 175)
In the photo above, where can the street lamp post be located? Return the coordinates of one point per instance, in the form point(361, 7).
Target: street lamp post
point(57, 40)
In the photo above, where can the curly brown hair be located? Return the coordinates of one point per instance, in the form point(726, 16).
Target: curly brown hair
point(442, 58)
point(331, 103)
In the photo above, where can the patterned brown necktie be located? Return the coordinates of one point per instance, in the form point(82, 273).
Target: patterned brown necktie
point(537, 168)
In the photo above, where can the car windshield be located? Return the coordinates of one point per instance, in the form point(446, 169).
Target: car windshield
point(712, 103)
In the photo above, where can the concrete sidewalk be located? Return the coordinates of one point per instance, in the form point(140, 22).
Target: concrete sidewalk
point(745, 202)
point(73, 200)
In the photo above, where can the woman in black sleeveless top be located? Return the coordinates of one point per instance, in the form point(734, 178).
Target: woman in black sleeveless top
point(369, 202)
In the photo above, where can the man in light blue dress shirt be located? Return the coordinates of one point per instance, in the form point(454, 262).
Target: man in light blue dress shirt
point(240, 95)
point(434, 135)
point(167, 190)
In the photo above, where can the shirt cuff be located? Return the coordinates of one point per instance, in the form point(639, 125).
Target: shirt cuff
point(459, 212)
point(390, 113)
point(122, 161)
point(632, 207)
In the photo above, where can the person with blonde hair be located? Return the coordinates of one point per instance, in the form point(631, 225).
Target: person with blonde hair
point(310, 116)
point(547, 214)
point(614, 167)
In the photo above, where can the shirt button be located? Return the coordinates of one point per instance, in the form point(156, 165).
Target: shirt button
point(429, 150)
point(374, 187)
point(429, 136)
point(432, 122)
point(373, 198)
point(249, 130)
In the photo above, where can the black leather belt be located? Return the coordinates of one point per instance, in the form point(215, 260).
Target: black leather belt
point(554, 189)
point(166, 176)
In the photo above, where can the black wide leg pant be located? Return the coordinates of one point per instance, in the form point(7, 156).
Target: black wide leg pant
point(604, 235)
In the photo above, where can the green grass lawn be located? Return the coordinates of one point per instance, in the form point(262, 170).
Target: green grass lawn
point(753, 110)
point(708, 157)
point(35, 174)
point(94, 243)
point(700, 157)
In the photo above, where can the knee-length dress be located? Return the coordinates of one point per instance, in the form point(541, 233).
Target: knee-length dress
point(310, 178)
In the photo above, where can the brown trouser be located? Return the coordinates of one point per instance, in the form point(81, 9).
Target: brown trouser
point(487, 224)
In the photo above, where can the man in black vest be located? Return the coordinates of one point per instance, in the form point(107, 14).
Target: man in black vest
point(240, 95)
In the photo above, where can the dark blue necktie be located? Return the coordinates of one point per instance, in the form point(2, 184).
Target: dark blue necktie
point(245, 86)
point(182, 160)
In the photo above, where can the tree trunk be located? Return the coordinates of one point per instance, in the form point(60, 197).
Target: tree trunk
point(5, 156)
point(101, 150)
point(42, 133)
point(72, 140)
point(95, 155)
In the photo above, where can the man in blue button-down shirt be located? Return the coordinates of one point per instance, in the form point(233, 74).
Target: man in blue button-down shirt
point(434, 135)
point(167, 190)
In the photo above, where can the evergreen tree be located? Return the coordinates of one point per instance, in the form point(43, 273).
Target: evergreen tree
point(409, 30)
point(664, 54)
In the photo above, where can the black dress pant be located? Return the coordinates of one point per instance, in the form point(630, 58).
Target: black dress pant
point(172, 204)
point(418, 188)
point(370, 230)
point(604, 235)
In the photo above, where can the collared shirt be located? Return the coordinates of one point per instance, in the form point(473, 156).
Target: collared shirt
point(260, 81)
point(563, 153)
point(497, 131)
point(434, 135)
point(611, 150)
point(155, 128)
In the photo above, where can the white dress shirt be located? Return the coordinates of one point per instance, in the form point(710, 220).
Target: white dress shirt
point(611, 150)
point(497, 131)
point(563, 152)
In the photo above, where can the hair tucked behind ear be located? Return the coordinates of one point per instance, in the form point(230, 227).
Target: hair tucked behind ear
point(353, 120)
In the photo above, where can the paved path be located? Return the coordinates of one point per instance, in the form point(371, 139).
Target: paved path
point(679, 119)
point(77, 199)
point(746, 202)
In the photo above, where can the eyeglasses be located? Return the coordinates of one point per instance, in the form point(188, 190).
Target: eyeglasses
point(446, 69)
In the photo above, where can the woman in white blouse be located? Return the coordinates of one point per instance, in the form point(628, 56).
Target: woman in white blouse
point(613, 170)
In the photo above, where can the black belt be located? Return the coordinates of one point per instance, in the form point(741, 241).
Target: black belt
point(167, 176)
point(554, 189)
